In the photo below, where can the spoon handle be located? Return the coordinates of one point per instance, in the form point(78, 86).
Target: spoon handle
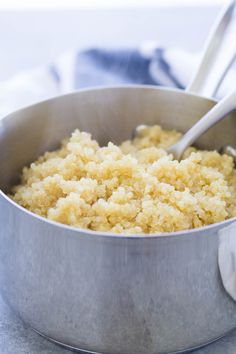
point(216, 114)
point(218, 54)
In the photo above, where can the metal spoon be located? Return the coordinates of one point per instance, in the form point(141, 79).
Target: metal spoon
point(218, 55)
point(216, 114)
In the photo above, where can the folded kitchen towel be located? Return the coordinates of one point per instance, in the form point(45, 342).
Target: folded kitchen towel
point(150, 64)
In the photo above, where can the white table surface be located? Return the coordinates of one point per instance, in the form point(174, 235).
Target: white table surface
point(32, 38)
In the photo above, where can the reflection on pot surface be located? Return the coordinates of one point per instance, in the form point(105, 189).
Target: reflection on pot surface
point(227, 259)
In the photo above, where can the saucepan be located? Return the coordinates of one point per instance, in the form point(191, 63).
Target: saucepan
point(108, 293)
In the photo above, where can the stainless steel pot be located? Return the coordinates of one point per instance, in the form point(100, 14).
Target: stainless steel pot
point(107, 293)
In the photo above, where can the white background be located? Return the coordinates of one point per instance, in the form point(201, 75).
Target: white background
point(35, 32)
point(56, 4)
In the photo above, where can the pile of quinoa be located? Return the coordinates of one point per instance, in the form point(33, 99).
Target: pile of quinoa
point(134, 188)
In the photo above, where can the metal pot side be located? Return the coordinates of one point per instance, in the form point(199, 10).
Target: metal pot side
point(111, 293)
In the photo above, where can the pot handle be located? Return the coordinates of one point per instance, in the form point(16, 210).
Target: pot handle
point(218, 54)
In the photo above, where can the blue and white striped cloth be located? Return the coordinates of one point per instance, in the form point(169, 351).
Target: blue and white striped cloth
point(149, 64)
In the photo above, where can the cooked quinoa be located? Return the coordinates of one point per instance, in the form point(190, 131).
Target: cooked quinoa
point(132, 188)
